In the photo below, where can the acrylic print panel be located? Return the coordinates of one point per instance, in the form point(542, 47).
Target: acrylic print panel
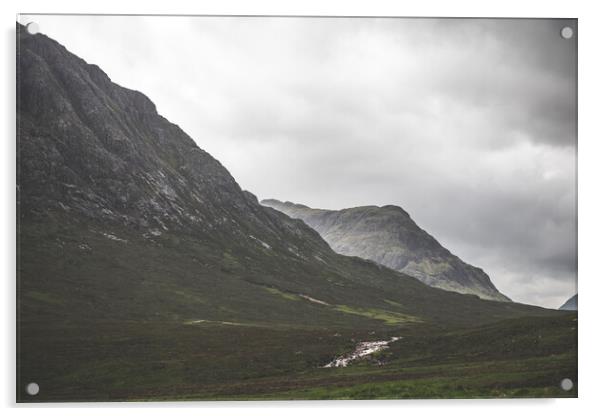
point(427, 248)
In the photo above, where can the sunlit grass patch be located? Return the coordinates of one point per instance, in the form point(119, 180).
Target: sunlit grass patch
point(44, 297)
point(389, 317)
point(288, 296)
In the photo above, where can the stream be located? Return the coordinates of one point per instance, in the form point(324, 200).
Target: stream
point(361, 350)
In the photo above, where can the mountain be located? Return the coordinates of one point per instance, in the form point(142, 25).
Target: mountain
point(570, 304)
point(102, 174)
point(388, 236)
point(145, 271)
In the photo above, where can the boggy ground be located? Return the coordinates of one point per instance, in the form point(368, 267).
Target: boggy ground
point(124, 361)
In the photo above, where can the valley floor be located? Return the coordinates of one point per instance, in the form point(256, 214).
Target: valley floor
point(125, 361)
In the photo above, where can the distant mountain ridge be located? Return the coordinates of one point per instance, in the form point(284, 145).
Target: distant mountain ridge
point(388, 236)
point(570, 304)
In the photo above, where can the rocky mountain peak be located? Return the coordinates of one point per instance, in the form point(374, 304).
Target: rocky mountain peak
point(388, 236)
point(91, 148)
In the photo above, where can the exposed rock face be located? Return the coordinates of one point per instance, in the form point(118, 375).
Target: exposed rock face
point(570, 305)
point(90, 148)
point(388, 236)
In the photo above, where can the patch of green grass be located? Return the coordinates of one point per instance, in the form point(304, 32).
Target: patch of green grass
point(392, 303)
point(288, 296)
point(190, 296)
point(389, 317)
point(43, 297)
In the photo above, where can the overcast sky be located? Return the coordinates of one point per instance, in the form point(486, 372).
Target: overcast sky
point(469, 125)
